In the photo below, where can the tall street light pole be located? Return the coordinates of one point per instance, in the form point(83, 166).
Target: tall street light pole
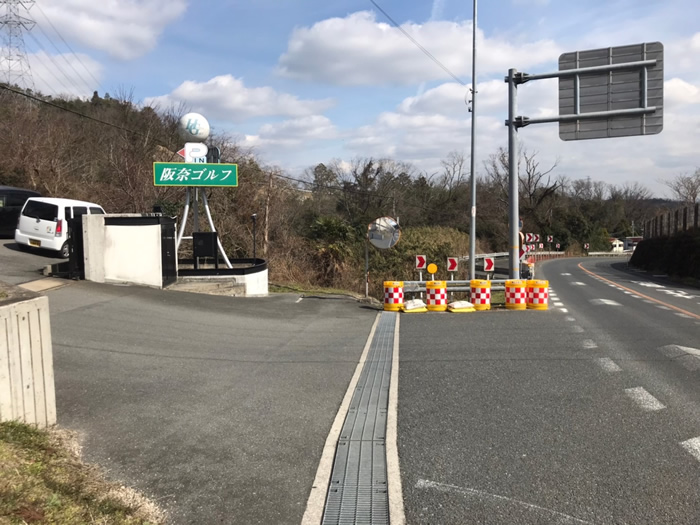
point(472, 223)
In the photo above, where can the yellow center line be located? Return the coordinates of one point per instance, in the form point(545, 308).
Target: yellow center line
point(640, 294)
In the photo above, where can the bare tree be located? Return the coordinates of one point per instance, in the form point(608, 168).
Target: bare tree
point(685, 187)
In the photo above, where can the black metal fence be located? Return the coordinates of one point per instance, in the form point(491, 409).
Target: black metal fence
point(673, 222)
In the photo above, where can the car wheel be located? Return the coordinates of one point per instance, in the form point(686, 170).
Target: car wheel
point(65, 251)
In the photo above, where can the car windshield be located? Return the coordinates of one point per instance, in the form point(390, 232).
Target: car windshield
point(40, 210)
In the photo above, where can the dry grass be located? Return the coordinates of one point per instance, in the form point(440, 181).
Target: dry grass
point(43, 480)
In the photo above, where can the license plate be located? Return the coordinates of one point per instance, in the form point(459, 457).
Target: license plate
point(33, 242)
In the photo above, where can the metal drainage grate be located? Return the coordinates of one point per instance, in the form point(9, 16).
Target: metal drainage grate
point(357, 493)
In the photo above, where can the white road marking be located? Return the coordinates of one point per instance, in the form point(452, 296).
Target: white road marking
point(662, 307)
point(644, 399)
point(683, 316)
point(577, 283)
point(608, 364)
point(396, 510)
point(636, 296)
point(444, 487)
point(571, 319)
point(299, 300)
point(608, 302)
point(648, 284)
point(589, 343)
point(566, 274)
point(648, 301)
point(564, 310)
point(577, 329)
point(693, 446)
point(685, 355)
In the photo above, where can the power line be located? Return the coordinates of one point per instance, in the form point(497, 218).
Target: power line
point(48, 56)
point(88, 117)
point(427, 53)
point(63, 56)
point(68, 46)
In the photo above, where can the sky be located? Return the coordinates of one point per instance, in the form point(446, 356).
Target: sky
point(308, 81)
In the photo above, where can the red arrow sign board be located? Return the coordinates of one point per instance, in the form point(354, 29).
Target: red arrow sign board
point(488, 264)
point(421, 262)
point(182, 153)
point(550, 238)
point(452, 264)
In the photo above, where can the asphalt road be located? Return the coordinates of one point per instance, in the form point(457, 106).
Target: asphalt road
point(586, 413)
point(216, 407)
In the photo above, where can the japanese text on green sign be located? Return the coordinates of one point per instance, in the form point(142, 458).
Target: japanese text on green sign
point(194, 174)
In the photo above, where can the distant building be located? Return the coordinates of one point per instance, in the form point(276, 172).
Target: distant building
point(617, 245)
point(630, 243)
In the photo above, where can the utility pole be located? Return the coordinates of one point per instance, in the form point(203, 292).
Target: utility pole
point(472, 179)
point(13, 56)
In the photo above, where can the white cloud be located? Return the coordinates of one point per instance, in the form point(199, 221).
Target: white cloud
point(227, 98)
point(679, 92)
point(358, 50)
point(124, 29)
point(292, 133)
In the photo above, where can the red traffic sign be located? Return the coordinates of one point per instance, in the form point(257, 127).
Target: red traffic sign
point(541, 246)
point(182, 153)
point(550, 238)
point(421, 262)
point(585, 246)
point(488, 264)
point(558, 246)
point(452, 264)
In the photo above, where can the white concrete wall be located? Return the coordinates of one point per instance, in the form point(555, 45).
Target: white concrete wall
point(122, 254)
point(132, 255)
point(27, 391)
point(94, 247)
point(256, 284)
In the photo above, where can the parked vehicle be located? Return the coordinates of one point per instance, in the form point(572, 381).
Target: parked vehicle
point(11, 202)
point(43, 222)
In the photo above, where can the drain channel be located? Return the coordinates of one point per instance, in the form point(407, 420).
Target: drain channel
point(357, 493)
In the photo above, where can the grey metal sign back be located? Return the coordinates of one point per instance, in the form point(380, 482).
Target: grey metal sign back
point(603, 93)
point(634, 86)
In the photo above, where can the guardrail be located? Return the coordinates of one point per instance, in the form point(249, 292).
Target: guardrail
point(452, 286)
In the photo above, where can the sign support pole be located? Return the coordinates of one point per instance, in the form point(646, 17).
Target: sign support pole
point(185, 214)
point(472, 181)
point(513, 173)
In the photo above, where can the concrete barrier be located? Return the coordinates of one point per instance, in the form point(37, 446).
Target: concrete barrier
point(27, 391)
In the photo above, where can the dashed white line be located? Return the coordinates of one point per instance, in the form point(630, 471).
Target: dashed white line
point(608, 302)
point(577, 329)
point(577, 283)
point(570, 319)
point(662, 307)
point(684, 316)
point(589, 343)
point(693, 446)
point(566, 274)
point(608, 364)
point(644, 399)
point(564, 310)
point(299, 300)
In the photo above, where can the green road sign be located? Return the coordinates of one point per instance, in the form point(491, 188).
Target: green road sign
point(195, 174)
